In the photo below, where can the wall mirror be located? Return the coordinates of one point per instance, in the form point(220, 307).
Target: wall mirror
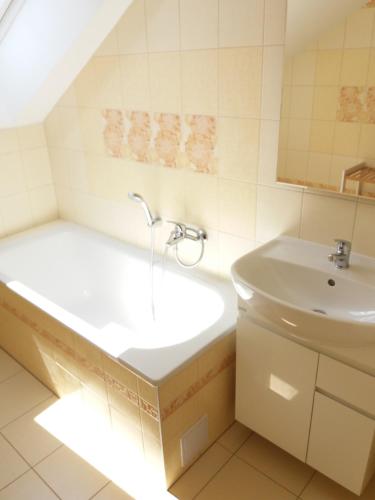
point(327, 129)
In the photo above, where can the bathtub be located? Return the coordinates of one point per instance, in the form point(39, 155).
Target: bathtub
point(100, 288)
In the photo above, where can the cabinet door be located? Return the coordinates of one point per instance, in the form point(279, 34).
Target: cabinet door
point(275, 383)
point(341, 444)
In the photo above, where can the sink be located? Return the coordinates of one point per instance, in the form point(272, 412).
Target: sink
point(290, 286)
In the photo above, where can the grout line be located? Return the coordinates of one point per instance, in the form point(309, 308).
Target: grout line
point(11, 376)
point(101, 489)
point(267, 476)
point(27, 411)
point(306, 485)
point(217, 472)
point(14, 480)
point(48, 455)
point(45, 482)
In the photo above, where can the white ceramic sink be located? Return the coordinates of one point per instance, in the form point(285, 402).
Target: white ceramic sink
point(289, 285)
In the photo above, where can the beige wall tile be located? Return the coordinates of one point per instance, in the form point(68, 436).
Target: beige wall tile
point(320, 221)
point(232, 248)
point(325, 102)
point(201, 199)
point(12, 180)
point(31, 137)
point(131, 29)
point(99, 85)
point(109, 46)
point(301, 101)
point(199, 81)
point(199, 24)
point(297, 164)
point(304, 68)
point(321, 138)
point(8, 140)
point(271, 82)
point(268, 149)
point(328, 65)
point(162, 22)
point(238, 144)
point(359, 29)
point(278, 212)
point(237, 207)
point(240, 82)
point(346, 139)
point(299, 134)
point(363, 238)
point(366, 141)
point(333, 38)
point(135, 82)
point(165, 82)
point(247, 17)
point(274, 22)
point(16, 213)
point(371, 70)
point(36, 167)
point(43, 204)
point(319, 168)
point(354, 67)
point(13, 466)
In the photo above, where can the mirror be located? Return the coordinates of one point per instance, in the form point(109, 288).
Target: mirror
point(327, 128)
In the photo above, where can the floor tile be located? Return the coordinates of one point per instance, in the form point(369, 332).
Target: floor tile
point(8, 366)
point(234, 437)
point(69, 476)
point(200, 473)
point(18, 395)
point(30, 487)
point(11, 464)
point(322, 488)
point(239, 481)
point(111, 492)
point(31, 440)
point(276, 463)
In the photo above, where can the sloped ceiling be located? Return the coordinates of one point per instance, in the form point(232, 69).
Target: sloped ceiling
point(309, 19)
point(45, 48)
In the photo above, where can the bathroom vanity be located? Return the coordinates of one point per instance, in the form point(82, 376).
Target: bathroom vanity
point(314, 397)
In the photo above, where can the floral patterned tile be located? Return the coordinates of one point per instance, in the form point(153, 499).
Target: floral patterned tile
point(351, 104)
point(166, 139)
point(370, 104)
point(200, 143)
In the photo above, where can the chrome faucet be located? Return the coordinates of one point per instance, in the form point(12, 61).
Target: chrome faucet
point(181, 231)
point(151, 220)
point(342, 255)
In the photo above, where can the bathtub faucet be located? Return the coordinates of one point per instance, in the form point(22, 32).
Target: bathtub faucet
point(151, 220)
point(179, 233)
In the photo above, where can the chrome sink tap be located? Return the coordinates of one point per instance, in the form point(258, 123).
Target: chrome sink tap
point(342, 255)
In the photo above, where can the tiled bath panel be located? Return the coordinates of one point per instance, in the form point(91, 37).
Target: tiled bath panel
point(148, 419)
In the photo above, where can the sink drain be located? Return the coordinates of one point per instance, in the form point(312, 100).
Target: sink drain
point(319, 311)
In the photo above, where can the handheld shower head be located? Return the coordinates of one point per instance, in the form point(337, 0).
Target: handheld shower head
point(138, 199)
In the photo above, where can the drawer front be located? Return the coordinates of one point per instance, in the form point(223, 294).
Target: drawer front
point(346, 383)
point(341, 444)
point(275, 386)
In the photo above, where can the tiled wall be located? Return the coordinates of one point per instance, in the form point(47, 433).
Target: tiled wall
point(27, 194)
point(328, 110)
point(190, 58)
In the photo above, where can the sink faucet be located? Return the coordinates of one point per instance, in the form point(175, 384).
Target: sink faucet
point(342, 255)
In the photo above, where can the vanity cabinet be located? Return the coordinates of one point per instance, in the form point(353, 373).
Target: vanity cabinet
point(275, 386)
point(341, 444)
point(312, 406)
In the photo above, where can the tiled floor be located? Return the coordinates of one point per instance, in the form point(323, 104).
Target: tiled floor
point(36, 465)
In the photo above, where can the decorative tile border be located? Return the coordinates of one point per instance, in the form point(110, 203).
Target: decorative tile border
point(166, 139)
point(370, 3)
point(356, 104)
point(197, 386)
point(115, 384)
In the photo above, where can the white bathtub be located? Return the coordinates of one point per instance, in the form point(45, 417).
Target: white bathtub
point(100, 288)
